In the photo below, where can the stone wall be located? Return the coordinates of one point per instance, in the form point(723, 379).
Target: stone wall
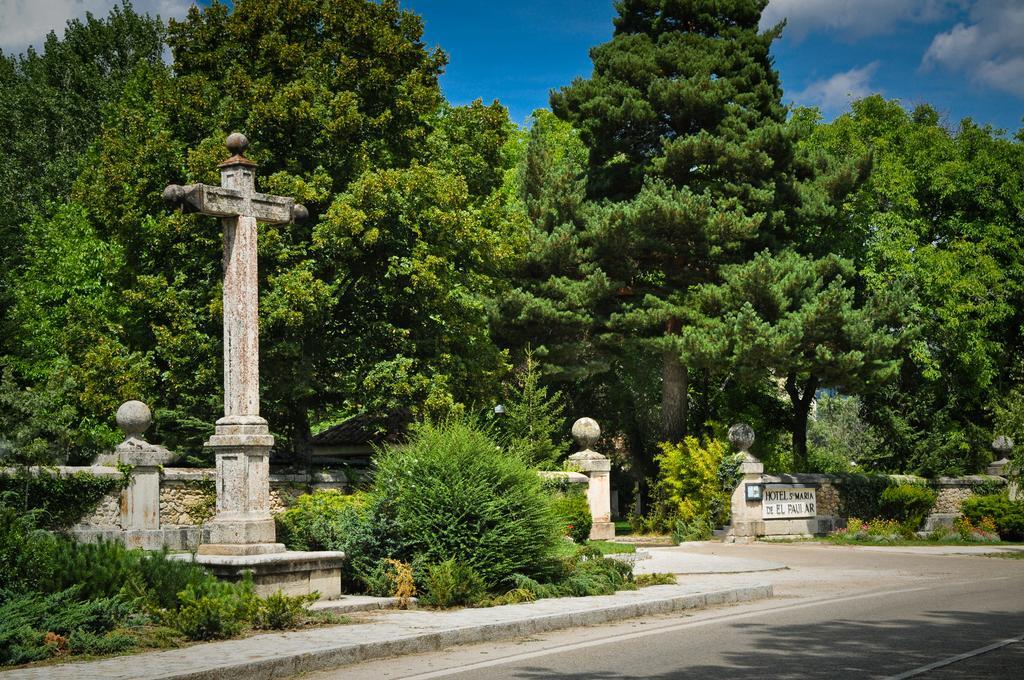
point(106, 514)
point(951, 493)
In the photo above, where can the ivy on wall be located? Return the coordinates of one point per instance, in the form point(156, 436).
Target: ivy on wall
point(60, 500)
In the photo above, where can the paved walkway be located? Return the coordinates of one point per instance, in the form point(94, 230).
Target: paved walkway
point(681, 560)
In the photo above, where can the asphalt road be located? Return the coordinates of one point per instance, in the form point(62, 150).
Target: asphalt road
point(838, 613)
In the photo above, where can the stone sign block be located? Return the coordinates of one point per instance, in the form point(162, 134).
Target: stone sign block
point(788, 502)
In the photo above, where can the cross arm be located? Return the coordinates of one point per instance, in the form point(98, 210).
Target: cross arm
point(221, 202)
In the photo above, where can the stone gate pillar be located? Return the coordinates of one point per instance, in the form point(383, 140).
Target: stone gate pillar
point(746, 524)
point(586, 431)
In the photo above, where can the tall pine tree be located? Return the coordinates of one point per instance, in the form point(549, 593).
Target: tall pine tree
point(690, 167)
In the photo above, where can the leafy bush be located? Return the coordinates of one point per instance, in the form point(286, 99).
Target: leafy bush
point(280, 611)
point(392, 578)
point(312, 523)
point(692, 483)
point(34, 626)
point(451, 584)
point(585, 573)
point(873, 531)
point(838, 435)
point(26, 552)
point(695, 529)
point(451, 493)
point(573, 512)
point(984, 532)
point(645, 580)
point(215, 610)
point(1008, 515)
point(908, 504)
point(860, 495)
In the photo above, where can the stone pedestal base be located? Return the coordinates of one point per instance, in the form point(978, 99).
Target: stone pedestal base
point(293, 573)
point(243, 525)
point(602, 531)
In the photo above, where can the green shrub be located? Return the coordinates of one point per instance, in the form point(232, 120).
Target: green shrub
point(280, 611)
point(573, 512)
point(451, 493)
point(873, 531)
point(312, 523)
point(690, 483)
point(451, 584)
point(584, 573)
point(645, 580)
point(908, 504)
point(26, 552)
point(860, 495)
point(695, 529)
point(84, 642)
point(215, 610)
point(1008, 515)
point(34, 626)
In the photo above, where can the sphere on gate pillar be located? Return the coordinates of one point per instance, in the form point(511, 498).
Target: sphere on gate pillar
point(741, 436)
point(586, 432)
point(134, 418)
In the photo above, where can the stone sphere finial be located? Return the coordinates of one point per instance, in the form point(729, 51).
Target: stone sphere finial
point(586, 432)
point(1003, 445)
point(134, 418)
point(741, 436)
point(300, 214)
point(237, 143)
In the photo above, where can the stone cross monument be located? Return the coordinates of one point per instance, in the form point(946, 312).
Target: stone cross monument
point(242, 441)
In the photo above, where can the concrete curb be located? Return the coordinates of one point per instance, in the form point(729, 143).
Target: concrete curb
point(291, 659)
point(348, 654)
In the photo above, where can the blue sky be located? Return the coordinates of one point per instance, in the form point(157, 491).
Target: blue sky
point(965, 57)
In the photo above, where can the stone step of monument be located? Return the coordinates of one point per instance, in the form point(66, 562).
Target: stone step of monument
point(351, 604)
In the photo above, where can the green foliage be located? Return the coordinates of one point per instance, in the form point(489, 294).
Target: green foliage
point(584, 573)
point(938, 217)
point(698, 528)
point(26, 552)
point(1008, 515)
point(689, 486)
point(451, 584)
point(31, 623)
point(874, 531)
point(838, 436)
point(452, 493)
point(280, 612)
point(312, 523)
point(61, 500)
point(908, 504)
point(533, 425)
point(645, 580)
point(860, 494)
point(573, 512)
point(800, 318)
point(215, 610)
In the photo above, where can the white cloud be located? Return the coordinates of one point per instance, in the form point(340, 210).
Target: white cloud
point(26, 22)
point(832, 95)
point(990, 49)
point(851, 18)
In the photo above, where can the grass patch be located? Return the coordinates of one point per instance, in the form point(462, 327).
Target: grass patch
point(1016, 555)
point(622, 528)
point(611, 548)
